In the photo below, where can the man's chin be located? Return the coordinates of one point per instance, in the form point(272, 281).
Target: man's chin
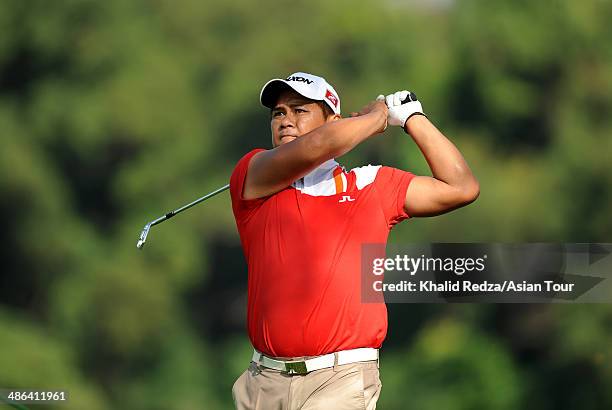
point(286, 139)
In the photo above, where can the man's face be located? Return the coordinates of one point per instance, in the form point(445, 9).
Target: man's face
point(293, 116)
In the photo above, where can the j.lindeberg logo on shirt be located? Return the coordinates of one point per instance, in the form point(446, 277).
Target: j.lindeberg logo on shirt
point(346, 198)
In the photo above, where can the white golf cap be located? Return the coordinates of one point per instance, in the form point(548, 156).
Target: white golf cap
point(308, 85)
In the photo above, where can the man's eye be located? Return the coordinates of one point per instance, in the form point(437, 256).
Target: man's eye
point(300, 110)
point(277, 113)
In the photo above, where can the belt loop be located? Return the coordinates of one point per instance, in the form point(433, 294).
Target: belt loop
point(335, 361)
point(260, 361)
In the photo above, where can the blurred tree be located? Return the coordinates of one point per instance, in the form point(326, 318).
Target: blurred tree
point(114, 112)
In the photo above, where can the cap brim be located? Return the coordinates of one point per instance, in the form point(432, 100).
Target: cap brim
point(271, 90)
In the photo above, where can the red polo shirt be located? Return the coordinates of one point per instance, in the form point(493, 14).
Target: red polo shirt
point(303, 251)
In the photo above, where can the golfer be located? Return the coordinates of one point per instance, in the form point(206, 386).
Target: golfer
point(302, 219)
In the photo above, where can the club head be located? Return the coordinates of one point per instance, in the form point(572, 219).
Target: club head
point(143, 236)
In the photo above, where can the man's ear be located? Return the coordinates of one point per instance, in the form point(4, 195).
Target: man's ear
point(334, 117)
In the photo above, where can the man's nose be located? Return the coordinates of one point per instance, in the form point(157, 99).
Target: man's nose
point(287, 121)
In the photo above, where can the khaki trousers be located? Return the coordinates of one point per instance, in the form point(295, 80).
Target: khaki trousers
point(349, 386)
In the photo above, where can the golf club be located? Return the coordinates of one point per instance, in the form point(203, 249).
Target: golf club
point(147, 227)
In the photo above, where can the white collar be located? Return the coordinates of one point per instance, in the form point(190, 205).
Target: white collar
point(319, 181)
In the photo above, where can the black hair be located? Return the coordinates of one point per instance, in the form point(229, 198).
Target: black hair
point(327, 111)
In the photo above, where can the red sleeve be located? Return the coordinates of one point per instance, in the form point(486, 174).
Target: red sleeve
point(391, 185)
point(242, 208)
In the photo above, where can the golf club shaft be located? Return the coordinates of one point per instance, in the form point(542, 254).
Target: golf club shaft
point(189, 205)
point(147, 227)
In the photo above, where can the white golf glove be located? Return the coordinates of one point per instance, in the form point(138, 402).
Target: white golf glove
point(398, 112)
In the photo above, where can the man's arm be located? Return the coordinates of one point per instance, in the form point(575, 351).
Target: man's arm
point(273, 170)
point(452, 186)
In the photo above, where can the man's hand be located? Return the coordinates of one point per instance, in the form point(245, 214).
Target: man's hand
point(400, 112)
point(376, 106)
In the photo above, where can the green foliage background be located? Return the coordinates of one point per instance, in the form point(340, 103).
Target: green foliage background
point(113, 112)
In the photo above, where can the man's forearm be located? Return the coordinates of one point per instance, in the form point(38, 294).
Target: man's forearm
point(339, 137)
point(326, 142)
point(444, 159)
point(272, 170)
